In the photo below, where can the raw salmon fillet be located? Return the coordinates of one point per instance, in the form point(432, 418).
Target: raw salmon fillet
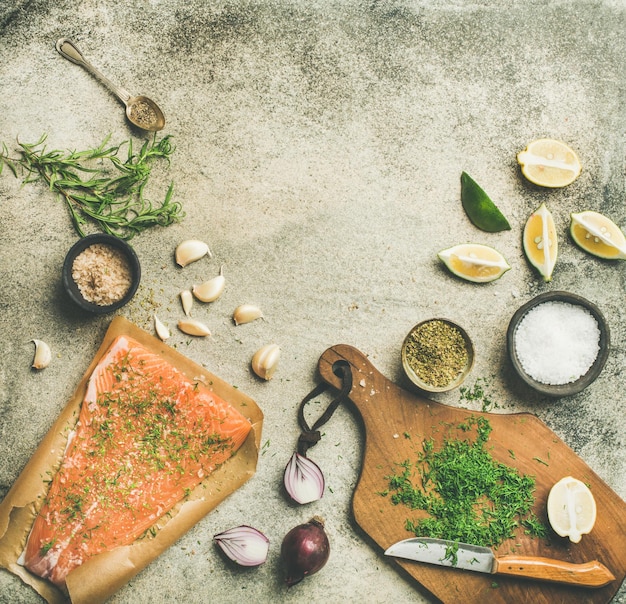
point(145, 437)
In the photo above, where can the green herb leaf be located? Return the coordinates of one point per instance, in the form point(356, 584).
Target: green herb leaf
point(469, 496)
point(479, 207)
point(98, 187)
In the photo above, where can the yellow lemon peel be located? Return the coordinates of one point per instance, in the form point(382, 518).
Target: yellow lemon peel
point(540, 241)
point(549, 163)
point(598, 235)
point(474, 262)
point(571, 509)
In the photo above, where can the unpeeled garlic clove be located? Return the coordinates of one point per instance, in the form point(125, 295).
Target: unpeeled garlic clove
point(191, 250)
point(43, 355)
point(186, 300)
point(210, 290)
point(162, 331)
point(265, 361)
point(193, 327)
point(245, 313)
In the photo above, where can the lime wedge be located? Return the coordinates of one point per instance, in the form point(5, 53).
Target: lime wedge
point(479, 207)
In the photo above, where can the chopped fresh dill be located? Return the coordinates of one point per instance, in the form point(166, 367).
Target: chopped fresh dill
point(98, 186)
point(452, 553)
point(47, 546)
point(466, 494)
point(478, 393)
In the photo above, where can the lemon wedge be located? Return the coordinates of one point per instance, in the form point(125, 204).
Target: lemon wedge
point(474, 262)
point(571, 509)
point(549, 163)
point(598, 235)
point(540, 241)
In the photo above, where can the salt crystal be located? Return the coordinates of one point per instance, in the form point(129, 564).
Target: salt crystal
point(557, 342)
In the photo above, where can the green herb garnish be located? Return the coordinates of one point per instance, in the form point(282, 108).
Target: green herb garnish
point(47, 547)
point(478, 393)
point(97, 186)
point(468, 496)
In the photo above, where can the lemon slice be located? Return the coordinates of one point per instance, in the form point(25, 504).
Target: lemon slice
point(598, 235)
point(540, 241)
point(571, 509)
point(479, 208)
point(474, 262)
point(549, 163)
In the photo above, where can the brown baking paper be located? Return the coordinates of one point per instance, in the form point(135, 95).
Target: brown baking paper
point(101, 576)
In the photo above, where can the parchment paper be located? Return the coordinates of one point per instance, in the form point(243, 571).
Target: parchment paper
point(101, 576)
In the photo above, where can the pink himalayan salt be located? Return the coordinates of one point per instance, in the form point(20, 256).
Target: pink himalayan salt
point(557, 342)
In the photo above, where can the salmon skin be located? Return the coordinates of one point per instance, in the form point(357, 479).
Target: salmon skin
point(146, 436)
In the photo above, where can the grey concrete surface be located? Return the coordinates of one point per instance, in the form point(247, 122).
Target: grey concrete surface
point(319, 151)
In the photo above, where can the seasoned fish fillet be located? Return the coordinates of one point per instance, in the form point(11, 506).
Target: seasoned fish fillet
point(145, 437)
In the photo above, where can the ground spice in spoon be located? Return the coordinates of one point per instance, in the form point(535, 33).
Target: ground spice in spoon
point(436, 351)
point(143, 114)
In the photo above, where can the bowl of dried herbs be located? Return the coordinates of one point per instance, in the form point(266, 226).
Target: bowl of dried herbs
point(437, 355)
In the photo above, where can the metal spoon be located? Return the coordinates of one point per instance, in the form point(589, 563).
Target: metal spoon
point(140, 110)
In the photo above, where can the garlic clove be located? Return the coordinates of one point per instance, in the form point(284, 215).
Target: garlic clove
point(43, 355)
point(265, 361)
point(193, 327)
point(191, 250)
point(186, 300)
point(245, 313)
point(210, 290)
point(162, 331)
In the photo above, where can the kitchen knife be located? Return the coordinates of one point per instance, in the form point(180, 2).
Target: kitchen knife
point(482, 559)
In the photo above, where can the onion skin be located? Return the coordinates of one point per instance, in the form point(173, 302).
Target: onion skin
point(305, 550)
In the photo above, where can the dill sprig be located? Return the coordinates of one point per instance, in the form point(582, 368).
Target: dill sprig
point(467, 495)
point(99, 187)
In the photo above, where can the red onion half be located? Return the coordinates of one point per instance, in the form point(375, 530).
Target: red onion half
point(305, 550)
point(303, 479)
point(244, 545)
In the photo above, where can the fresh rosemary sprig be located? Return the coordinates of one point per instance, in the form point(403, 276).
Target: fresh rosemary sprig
point(98, 187)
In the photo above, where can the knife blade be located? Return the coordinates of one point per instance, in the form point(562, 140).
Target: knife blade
point(482, 559)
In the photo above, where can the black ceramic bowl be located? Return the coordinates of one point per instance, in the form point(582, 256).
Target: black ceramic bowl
point(559, 390)
point(415, 379)
point(72, 288)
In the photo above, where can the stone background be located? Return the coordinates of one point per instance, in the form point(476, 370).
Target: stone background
point(319, 151)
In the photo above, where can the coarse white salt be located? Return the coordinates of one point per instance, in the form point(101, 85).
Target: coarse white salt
point(557, 342)
point(102, 274)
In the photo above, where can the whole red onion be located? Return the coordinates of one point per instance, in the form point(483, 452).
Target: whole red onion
point(305, 550)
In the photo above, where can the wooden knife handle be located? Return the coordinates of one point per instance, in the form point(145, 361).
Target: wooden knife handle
point(589, 574)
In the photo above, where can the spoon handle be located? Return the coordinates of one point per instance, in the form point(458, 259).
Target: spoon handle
point(69, 50)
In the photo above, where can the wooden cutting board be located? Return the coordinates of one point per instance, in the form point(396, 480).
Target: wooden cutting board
point(396, 422)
